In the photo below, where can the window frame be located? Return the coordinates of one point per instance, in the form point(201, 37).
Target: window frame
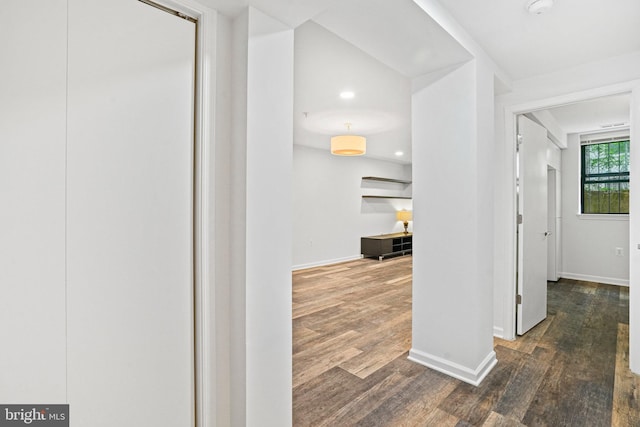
point(584, 175)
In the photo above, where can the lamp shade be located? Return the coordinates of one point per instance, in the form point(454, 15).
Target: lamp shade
point(404, 216)
point(348, 145)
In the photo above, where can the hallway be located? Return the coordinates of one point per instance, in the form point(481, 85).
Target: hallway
point(352, 332)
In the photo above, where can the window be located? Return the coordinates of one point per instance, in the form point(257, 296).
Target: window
point(605, 177)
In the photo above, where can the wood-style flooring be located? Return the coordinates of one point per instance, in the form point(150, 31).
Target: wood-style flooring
point(352, 333)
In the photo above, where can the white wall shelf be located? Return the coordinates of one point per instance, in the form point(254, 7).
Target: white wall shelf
point(367, 196)
point(377, 178)
point(403, 182)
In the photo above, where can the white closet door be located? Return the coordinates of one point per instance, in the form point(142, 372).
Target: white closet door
point(129, 215)
point(32, 211)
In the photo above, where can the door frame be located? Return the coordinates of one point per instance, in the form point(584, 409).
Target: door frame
point(204, 201)
point(511, 112)
point(552, 239)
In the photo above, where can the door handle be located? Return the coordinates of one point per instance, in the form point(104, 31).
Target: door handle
point(547, 233)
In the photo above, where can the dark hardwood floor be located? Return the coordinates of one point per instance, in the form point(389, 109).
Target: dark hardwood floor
point(352, 333)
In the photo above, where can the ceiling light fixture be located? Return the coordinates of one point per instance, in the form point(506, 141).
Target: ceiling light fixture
point(538, 7)
point(348, 145)
point(347, 95)
point(399, 153)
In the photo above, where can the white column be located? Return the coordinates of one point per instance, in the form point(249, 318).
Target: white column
point(634, 237)
point(453, 224)
point(262, 85)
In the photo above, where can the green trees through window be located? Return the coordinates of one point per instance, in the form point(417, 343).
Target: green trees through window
point(605, 178)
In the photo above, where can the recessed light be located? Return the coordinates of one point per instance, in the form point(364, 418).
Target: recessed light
point(399, 153)
point(347, 95)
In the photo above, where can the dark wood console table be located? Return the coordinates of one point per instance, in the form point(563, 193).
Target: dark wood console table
point(386, 245)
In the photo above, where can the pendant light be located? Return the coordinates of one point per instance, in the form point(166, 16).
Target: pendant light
point(348, 145)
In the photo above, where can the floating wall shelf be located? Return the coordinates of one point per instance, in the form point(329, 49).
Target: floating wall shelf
point(377, 178)
point(381, 179)
point(385, 197)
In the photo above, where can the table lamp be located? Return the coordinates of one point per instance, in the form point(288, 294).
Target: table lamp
point(405, 217)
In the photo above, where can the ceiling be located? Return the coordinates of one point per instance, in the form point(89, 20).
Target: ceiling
point(401, 36)
point(326, 64)
point(397, 33)
point(572, 33)
point(596, 115)
point(381, 105)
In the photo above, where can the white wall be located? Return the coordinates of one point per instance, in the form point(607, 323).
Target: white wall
point(329, 213)
point(32, 190)
point(554, 155)
point(261, 157)
point(453, 272)
point(589, 241)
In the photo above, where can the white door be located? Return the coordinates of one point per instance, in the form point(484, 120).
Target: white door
point(532, 233)
point(32, 207)
point(129, 215)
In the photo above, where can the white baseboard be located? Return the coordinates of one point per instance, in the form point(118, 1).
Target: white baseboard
point(325, 262)
point(597, 279)
point(468, 375)
point(499, 333)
